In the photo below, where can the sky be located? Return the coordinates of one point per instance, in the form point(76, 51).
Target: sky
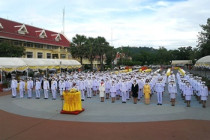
point(151, 23)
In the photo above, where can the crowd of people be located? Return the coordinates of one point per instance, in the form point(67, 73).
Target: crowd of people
point(117, 86)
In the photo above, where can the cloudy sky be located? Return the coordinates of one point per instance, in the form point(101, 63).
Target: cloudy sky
point(154, 23)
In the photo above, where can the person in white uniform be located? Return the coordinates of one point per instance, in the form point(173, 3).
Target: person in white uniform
point(22, 88)
point(188, 92)
point(107, 88)
point(54, 87)
point(172, 89)
point(62, 85)
point(113, 91)
point(89, 84)
point(159, 88)
point(29, 88)
point(46, 87)
point(204, 95)
point(123, 89)
point(102, 90)
point(81, 87)
point(37, 88)
point(14, 87)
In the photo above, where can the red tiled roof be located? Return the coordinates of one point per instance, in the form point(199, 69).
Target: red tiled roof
point(11, 32)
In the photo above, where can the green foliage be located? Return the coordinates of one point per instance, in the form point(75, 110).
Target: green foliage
point(204, 39)
point(78, 49)
point(8, 50)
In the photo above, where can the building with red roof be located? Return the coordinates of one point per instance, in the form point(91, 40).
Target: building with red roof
point(38, 42)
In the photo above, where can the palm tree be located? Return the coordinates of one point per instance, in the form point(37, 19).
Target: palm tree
point(78, 49)
point(91, 50)
point(102, 44)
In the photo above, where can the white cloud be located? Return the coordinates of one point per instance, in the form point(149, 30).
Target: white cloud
point(133, 22)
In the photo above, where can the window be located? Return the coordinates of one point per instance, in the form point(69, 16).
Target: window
point(29, 44)
point(29, 54)
point(54, 47)
point(42, 34)
point(48, 55)
point(63, 56)
point(49, 47)
point(25, 44)
point(15, 43)
point(39, 55)
point(38, 46)
point(22, 29)
point(1, 27)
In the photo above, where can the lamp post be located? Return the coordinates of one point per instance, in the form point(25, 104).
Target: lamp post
point(60, 66)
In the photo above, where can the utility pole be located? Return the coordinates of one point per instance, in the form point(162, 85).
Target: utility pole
point(63, 20)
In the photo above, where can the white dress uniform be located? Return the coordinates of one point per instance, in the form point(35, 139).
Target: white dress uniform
point(113, 90)
point(204, 93)
point(172, 89)
point(81, 87)
point(68, 84)
point(14, 87)
point(62, 85)
point(89, 85)
point(38, 88)
point(101, 90)
point(118, 89)
point(159, 88)
point(29, 88)
point(95, 84)
point(54, 86)
point(141, 85)
point(46, 87)
point(107, 87)
point(188, 91)
point(123, 90)
point(22, 88)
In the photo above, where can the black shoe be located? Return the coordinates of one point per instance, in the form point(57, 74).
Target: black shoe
point(13, 96)
point(53, 98)
point(158, 104)
point(123, 102)
point(82, 100)
point(45, 98)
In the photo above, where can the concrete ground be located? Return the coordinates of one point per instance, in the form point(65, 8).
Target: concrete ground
point(34, 119)
point(96, 111)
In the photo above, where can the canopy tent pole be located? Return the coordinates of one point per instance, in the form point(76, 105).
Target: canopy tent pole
point(1, 75)
point(27, 73)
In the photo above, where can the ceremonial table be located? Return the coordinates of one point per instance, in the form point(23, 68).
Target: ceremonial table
point(72, 102)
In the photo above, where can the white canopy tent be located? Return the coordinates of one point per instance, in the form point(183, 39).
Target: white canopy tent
point(203, 62)
point(20, 64)
point(181, 62)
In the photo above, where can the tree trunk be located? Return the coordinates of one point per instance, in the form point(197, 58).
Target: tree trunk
point(102, 61)
point(91, 64)
point(81, 63)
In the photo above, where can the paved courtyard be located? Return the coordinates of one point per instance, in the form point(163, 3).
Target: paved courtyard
point(96, 111)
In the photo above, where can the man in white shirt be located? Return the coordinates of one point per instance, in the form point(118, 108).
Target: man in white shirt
point(14, 87)
point(159, 88)
point(22, 88)
point(172, 89)
point(46, 87)
point(38, 88)
point(54, 88)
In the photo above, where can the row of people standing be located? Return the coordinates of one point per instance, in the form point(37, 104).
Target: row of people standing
point(190, 85)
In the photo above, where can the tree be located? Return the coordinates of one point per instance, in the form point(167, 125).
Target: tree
point(110, 56)
point(204, 39)
point(91, 50)
point(102, 45)
point(8, 50)
point(78, 49)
